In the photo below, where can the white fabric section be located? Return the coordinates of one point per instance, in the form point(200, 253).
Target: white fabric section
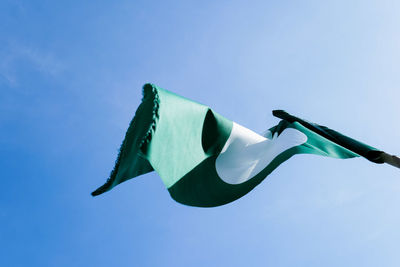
point(247, 153)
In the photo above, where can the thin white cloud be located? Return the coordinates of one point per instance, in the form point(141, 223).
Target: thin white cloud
point(14, 55)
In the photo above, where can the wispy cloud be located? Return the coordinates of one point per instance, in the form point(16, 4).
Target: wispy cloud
point(15, 56)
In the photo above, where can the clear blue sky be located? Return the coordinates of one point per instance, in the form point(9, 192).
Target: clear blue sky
point(71, 74)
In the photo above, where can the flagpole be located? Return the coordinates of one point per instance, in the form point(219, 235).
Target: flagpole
point(391, 159)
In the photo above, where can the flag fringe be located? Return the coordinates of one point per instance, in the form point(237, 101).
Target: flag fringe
point(150, 88)
point(149, 91)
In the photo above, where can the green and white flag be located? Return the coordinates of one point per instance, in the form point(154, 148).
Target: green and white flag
point(207, 160)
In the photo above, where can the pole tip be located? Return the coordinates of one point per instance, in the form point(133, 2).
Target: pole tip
point(391, 159)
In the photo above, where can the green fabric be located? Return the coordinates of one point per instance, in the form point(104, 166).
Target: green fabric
point(170, 134)
point(202, 187)
point(356, 146)
point(319, 145)
point(129, 162)
point(181, 139)
point(176, 146)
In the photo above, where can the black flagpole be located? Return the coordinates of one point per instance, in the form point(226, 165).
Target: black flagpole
point(391, 159)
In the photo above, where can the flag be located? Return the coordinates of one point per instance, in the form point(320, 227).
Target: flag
point(206, 160)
